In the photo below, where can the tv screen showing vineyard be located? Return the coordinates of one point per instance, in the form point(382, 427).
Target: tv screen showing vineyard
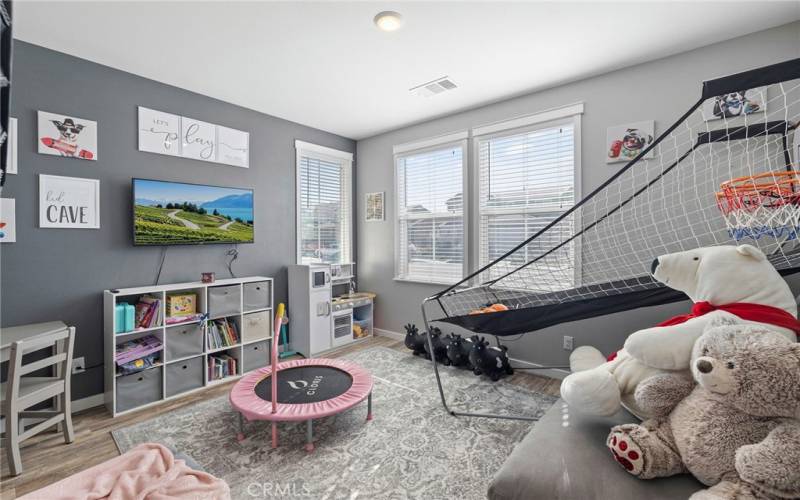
point(175, 213)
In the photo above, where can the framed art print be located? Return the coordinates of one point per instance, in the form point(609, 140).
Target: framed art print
point(12, 152)
point(69, 202)
point(159, 132)
point(625, 142)
point(67, 136)
point(8, 220)
point(375, 207)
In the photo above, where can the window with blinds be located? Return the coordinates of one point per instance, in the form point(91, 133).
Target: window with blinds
point(526, 180)
point(324, 208)
point(430, 215)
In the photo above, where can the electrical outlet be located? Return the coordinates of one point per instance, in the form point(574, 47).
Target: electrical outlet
point(78, 365)
point(567, 343)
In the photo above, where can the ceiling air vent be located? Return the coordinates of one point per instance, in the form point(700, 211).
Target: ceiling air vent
point(432, 88)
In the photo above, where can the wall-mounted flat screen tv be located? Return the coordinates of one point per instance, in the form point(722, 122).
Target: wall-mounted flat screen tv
point(176, 213)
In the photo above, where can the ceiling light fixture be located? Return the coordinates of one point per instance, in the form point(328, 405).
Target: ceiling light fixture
point(388, 20)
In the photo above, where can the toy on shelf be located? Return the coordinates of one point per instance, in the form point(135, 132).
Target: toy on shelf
point(286, 353)
point(415, 340)
point(439, 346)
point(491, 361)
point(181, 304)
point(490, 308)
point(125, 317)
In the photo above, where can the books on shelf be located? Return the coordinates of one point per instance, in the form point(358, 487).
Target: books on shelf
point(221, 333)
point(221, 366)
point(148, 312)
point(136, 349)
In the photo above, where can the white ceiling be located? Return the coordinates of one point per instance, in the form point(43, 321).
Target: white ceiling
point(326, 65)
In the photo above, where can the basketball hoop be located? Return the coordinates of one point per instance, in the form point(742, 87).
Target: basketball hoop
point(760, 205)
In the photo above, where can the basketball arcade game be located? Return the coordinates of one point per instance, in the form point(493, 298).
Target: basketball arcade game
point(716, 178)
point(299, 390)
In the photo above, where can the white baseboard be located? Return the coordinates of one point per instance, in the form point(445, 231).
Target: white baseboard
point(547, 372)
point(86, 403)
point(77, 405)
point(388, 333)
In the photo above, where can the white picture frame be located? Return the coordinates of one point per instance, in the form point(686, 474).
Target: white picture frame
point(625, 142)
point(375, 206)
point(159, 132)
point(69, 202)
point(233, 147)
point(12, 152)
point(8, 220)
point(199, 139)
point(735, 104)
point(66, 136)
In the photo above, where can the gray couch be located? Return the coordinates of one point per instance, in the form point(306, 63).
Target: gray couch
point(555, 462)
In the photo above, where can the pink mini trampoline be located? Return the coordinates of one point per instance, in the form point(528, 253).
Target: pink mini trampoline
point(302, 390)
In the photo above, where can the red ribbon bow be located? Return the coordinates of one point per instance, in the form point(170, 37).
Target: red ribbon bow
point(744, 310)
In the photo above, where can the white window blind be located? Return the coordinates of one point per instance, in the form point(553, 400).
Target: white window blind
point(430, 215)
point(526, 180)
point(324, 208)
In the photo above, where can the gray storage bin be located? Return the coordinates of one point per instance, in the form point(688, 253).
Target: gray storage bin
point(255, 355)
point(256, 326)
point(224, 300)
point(183, 341)
point(184, 375)
point(256, 295)
point(138, 389)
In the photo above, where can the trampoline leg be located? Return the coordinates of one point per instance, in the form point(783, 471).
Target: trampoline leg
point(274, 434)
point(309, 436)
point(240, 434)
point(369, 407)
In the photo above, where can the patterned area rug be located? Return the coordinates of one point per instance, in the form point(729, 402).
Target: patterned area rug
point(411, 450)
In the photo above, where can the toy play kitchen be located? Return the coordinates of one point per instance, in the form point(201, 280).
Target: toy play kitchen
point(325, 310)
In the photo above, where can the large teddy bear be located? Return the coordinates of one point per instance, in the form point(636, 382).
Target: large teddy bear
point(737, 429)
point(722, 281)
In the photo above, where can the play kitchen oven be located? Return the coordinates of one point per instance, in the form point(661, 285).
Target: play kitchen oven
point(342, 320)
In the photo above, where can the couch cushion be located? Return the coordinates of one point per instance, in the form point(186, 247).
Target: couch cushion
point(557, 462)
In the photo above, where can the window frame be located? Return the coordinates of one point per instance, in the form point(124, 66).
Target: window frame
point(568, 115)
point(345, 159)
point(459, 140)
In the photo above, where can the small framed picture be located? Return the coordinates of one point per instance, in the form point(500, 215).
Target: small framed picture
point(8, 221)
point(67, 136)
point(12, 152)
point(69, 202)
point(735, 104)
point(375, 207)
point(625, 142)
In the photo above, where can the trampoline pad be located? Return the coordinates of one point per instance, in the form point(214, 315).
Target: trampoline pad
point(306, 384)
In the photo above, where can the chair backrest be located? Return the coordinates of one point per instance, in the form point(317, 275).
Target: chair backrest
point(61, 344)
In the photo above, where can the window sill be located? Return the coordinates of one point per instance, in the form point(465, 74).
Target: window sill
point(421, 281)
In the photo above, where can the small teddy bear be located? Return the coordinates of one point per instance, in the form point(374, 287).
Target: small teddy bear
point(736, 426)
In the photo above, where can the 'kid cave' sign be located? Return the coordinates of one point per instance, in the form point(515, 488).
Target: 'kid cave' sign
point(69, 202)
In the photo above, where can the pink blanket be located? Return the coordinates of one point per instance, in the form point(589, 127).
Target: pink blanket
point(148, 471)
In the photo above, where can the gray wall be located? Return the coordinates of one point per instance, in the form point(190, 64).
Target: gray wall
point(60, 273)
point(660, 90)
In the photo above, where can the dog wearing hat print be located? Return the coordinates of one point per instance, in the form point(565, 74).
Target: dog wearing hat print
point(67, 141)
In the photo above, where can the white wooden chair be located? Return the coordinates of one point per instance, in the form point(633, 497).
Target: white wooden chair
point(21, 392)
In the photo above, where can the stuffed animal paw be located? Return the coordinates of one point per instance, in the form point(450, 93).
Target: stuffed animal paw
point(737, 431)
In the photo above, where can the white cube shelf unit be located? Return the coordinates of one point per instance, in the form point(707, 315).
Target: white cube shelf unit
point(183, 361)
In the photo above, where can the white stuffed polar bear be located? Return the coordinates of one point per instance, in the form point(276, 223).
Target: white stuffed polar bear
point(722, 281)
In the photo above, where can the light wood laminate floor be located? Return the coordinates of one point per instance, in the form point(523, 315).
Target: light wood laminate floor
point(46, 459)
